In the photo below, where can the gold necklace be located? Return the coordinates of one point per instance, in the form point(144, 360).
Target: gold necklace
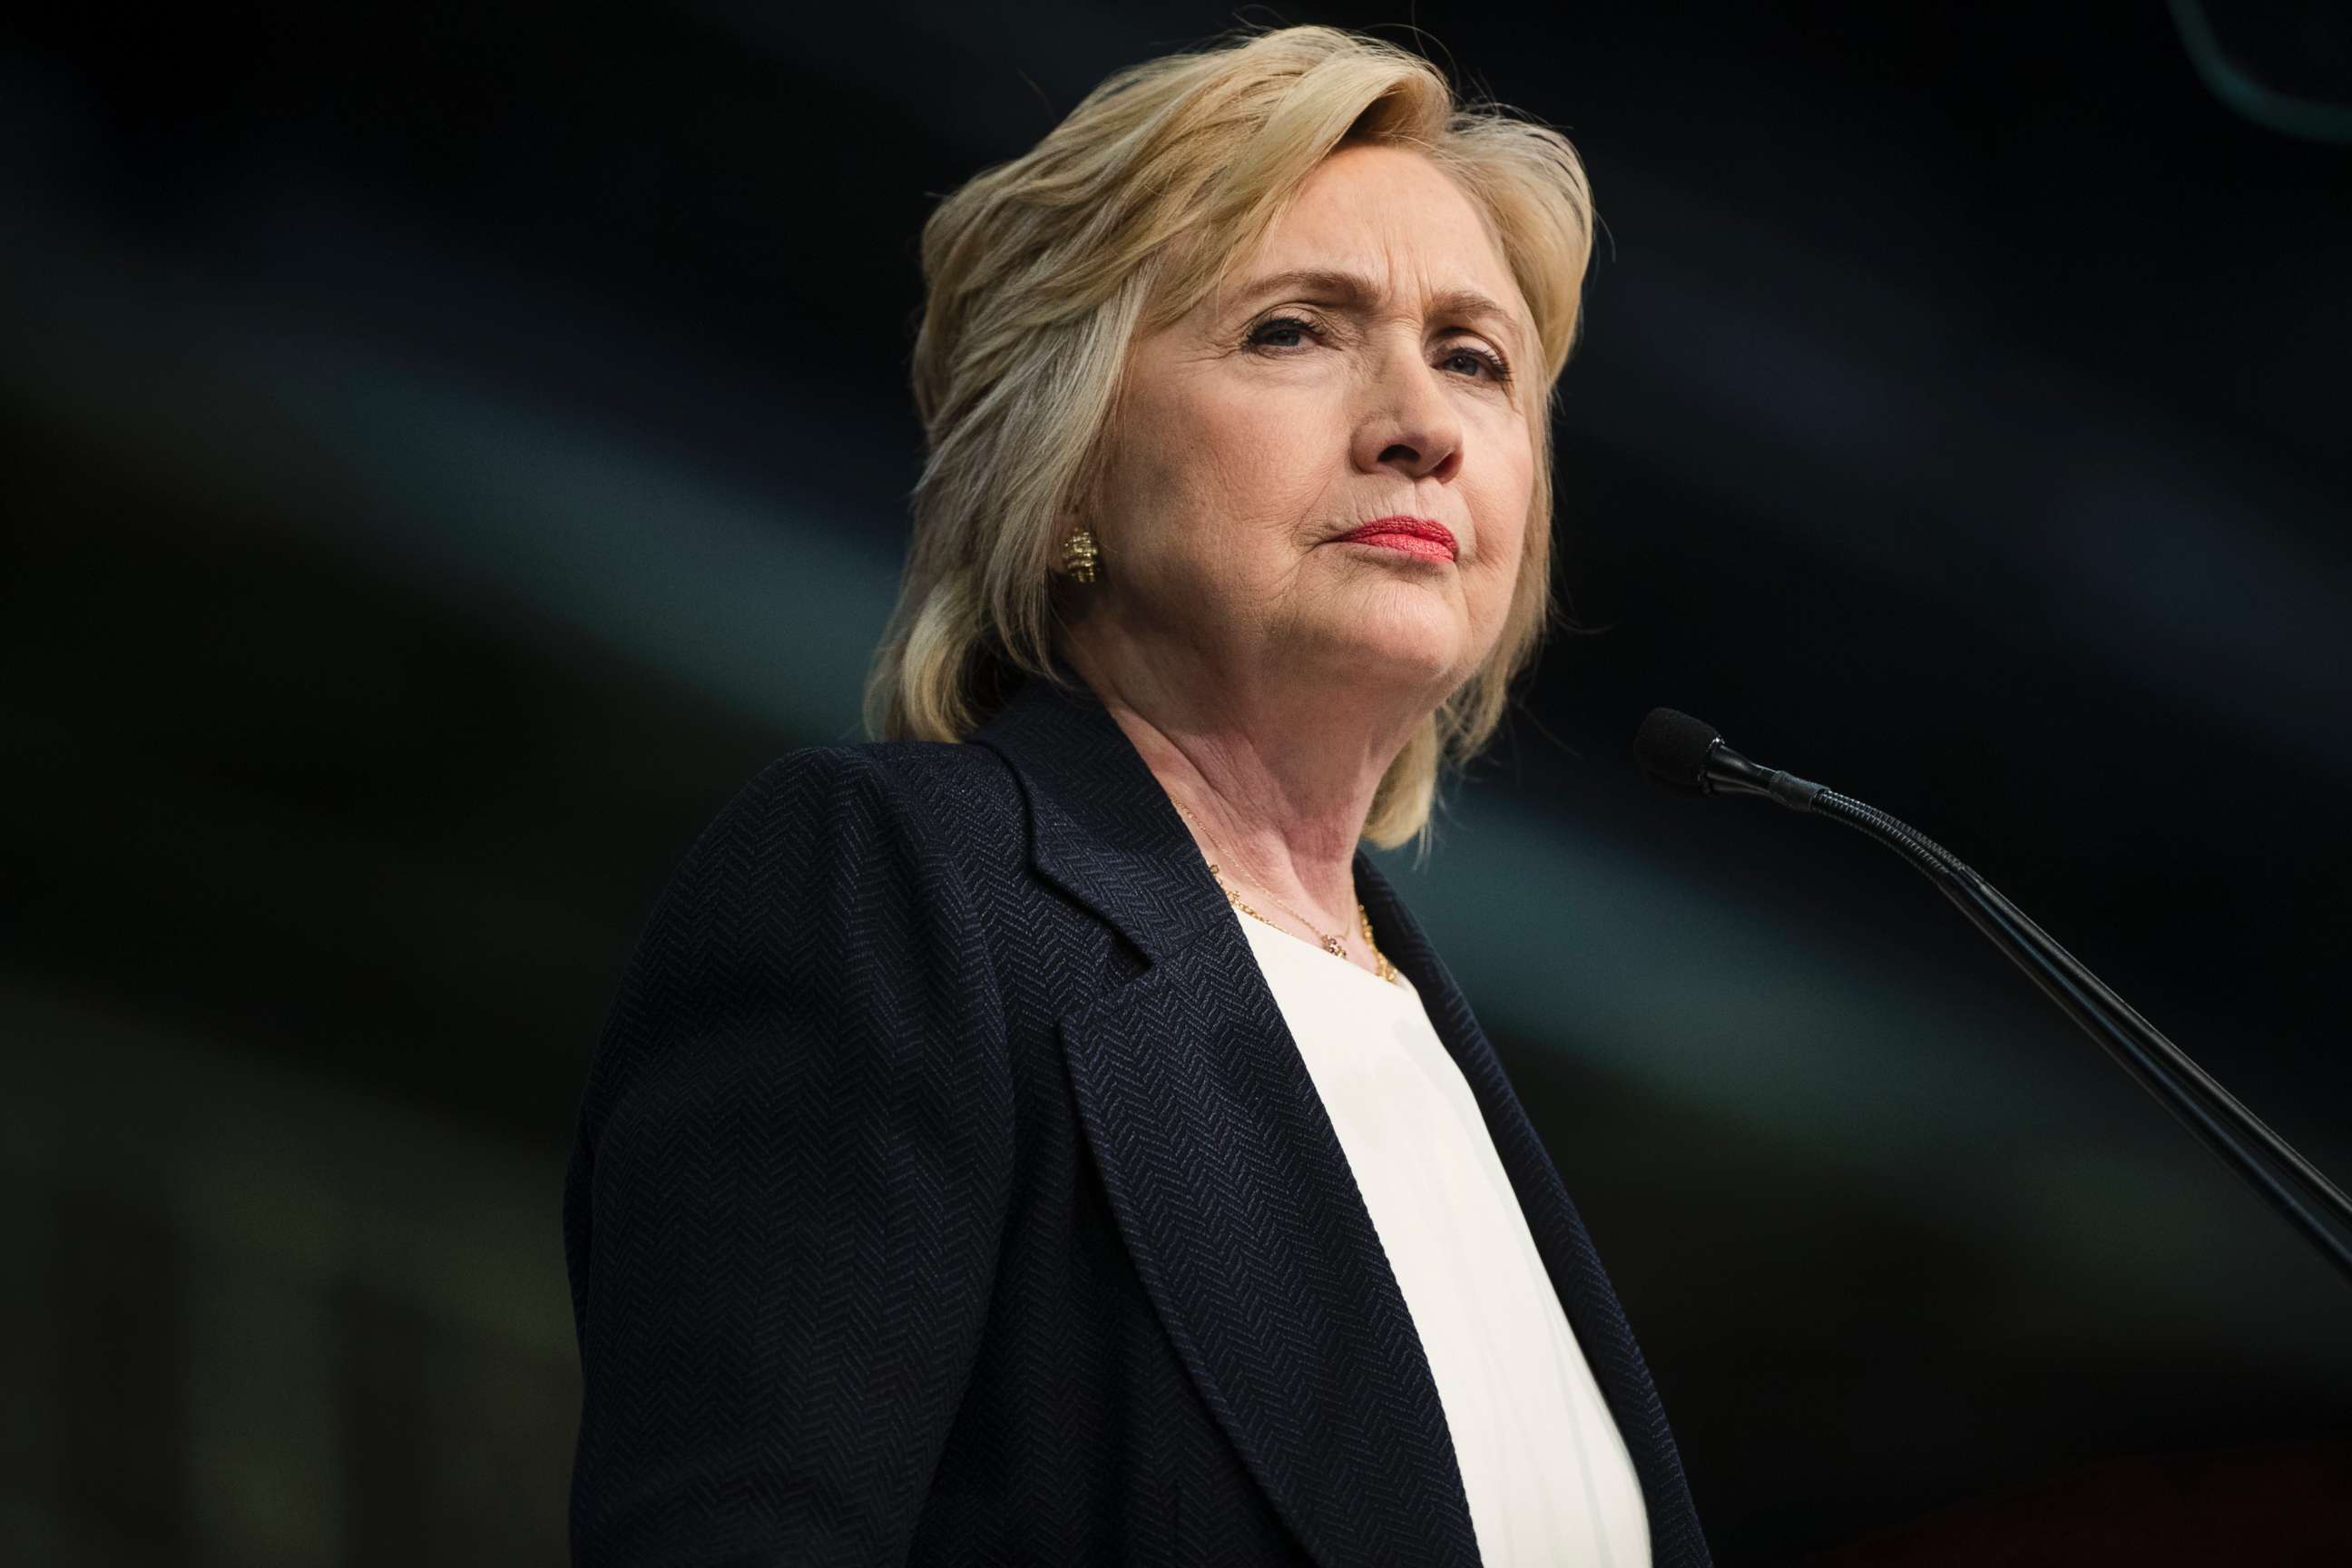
point(1330, 944)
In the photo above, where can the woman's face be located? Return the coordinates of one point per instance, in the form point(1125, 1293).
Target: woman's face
point(1286, 411)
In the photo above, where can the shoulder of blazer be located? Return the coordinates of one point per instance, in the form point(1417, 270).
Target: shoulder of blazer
point(950, 799)
point(821, 890)
point(824, 818)
point(954, 811)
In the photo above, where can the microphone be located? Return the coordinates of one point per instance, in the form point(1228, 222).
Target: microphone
point(1687, 756)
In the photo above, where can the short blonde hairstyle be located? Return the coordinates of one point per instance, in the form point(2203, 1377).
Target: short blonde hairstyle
point(1040, 273)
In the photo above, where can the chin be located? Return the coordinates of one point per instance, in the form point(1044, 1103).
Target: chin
point(1421, 650)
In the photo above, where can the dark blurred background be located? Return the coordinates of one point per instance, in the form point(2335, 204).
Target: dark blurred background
point(450, 448)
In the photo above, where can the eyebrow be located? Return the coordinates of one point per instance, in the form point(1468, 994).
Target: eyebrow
point(1353, 288)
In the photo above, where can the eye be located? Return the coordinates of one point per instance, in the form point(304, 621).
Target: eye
point(1493, 363)
point(1279, 326)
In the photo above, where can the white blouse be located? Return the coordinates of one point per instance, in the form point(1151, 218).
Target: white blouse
point(1548, 1476)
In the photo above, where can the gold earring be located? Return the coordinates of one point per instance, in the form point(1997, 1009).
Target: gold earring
point(1079, 554)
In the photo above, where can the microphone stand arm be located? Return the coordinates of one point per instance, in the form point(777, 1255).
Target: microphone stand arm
point(2289, 1184)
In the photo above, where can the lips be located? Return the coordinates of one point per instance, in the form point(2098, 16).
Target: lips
point(1422, 536)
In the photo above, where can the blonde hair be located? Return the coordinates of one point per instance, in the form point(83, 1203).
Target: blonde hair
point(1040, 272)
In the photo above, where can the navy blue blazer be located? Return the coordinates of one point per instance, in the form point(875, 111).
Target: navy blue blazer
point(948, 1190)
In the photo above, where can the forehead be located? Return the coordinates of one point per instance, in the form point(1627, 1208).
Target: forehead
point(1391, 218)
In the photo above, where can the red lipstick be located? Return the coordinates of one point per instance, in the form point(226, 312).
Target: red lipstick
point(1422, 536)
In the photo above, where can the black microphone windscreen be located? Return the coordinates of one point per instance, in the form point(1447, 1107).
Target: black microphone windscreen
point(1672, 748)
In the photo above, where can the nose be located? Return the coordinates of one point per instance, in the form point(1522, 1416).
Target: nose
point(1409, 424)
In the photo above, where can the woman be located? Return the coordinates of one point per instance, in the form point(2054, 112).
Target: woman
point(1043, 1137)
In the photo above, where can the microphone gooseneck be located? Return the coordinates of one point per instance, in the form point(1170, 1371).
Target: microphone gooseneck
point(1687, 756)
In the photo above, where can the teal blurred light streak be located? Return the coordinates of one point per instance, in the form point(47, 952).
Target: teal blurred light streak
point(2309, 119)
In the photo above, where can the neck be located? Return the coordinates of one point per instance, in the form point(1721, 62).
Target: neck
point(1278, 781)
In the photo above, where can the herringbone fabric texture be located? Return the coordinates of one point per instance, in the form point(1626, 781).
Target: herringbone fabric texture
point(948, 1190)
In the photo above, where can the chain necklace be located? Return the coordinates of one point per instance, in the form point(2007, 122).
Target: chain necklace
point(1330, 943)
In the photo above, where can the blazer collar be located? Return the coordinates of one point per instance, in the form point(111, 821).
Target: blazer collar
point(1104, 829)
point(1101, 826)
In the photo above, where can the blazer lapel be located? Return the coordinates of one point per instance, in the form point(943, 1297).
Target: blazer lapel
point(1222, 1169)
point(1585, 1294)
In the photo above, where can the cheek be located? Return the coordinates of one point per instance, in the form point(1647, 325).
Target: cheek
point(1262, 457)
point(1215, 490)
point(1504, 507)
point(1240, 479)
